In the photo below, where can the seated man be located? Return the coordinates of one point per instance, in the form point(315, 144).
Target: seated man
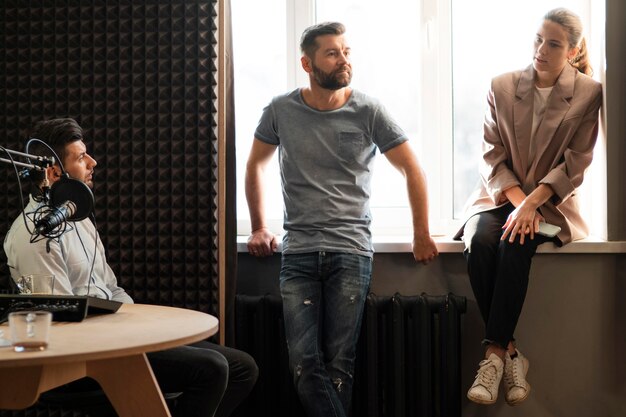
point(213, 379)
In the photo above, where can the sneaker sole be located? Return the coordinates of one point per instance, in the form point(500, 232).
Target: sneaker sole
point(481, 401)
point(519, 400)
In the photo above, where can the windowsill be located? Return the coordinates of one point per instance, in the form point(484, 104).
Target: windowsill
point(445, 244)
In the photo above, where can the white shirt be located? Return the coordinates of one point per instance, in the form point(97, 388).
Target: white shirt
point(69, 258)
point(541, 95)
point(539, 108)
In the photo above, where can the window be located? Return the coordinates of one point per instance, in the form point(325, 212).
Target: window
point(428, 61)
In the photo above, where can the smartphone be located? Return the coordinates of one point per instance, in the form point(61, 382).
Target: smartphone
point(548, 230)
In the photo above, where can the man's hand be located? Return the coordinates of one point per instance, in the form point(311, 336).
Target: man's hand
point(424, 249)
point(262, 242)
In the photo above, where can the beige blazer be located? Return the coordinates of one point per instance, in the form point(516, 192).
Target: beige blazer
point(564, 144)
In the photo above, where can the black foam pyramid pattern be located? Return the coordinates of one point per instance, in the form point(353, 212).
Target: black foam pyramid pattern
point(139, 76)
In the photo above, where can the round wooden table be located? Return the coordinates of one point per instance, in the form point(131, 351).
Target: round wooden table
point(109, 348)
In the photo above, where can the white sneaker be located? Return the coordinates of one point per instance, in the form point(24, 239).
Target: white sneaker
point(515, 385)
point(484, 390)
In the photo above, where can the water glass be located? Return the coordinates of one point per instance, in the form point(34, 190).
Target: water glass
point(29, 330)
point(36, 284)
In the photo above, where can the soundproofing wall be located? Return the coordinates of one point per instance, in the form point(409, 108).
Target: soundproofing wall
point(140, 78)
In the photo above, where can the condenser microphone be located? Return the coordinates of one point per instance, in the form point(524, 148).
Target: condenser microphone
point(55, 217)
point(70, 200)
point(76, 191)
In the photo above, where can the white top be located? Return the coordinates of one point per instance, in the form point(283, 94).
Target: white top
point(541, 96)
point(69, 258)
point(539, 108)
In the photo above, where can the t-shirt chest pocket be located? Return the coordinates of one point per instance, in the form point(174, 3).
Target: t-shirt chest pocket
point(350, 145)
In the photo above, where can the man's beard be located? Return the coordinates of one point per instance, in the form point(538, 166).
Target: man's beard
point(331, 80)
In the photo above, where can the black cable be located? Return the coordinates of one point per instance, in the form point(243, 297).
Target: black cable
point(19, 184)
point(56, 157)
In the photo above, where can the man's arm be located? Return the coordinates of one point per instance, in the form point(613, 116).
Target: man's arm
point(117, 293)
point(261, 241)
point(403, 158)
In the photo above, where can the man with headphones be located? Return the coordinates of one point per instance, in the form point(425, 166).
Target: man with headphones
point(213, 379)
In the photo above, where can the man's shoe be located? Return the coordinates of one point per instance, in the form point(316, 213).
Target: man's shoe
point(515, 385)
point(484, 390)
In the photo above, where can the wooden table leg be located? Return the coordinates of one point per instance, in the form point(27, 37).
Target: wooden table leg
point(20, 387)
point(130, 385)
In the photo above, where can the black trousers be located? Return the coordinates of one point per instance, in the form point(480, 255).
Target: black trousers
point(214, 379)
point(498, 272)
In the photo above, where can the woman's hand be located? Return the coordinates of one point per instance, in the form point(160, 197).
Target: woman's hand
point(524, 220)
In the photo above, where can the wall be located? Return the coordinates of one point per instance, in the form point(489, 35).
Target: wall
point(615, 100)
point(139, 77)
point(571, 329)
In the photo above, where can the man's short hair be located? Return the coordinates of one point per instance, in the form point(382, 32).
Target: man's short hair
point(308, 41)
point(56, 133)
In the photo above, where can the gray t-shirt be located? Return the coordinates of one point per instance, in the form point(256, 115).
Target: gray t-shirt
point(326, 161)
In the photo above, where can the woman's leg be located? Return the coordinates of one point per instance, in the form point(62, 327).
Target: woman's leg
point(510, 286)
point(481, 235)
point(499, 273)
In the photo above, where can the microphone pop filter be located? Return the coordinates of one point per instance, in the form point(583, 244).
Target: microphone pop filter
point(75, 191)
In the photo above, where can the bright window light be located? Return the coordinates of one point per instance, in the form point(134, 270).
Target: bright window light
point(429, 62)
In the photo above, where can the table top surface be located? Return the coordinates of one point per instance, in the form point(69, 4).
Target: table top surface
point(133, 329)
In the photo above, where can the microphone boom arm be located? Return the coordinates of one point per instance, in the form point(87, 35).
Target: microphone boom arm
point(70, 199)
point(39, 162)
point(23, 164)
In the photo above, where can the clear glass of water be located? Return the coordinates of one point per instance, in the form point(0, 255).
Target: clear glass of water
point(29, 330)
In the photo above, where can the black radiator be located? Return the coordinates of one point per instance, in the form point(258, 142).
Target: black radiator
point(408, 357)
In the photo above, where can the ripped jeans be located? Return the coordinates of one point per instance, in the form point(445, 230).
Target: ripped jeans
point(323, 300)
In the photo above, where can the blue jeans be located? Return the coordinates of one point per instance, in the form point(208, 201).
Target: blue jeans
point(323, 299)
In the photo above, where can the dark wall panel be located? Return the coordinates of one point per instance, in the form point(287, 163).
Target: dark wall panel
point(139, 76)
